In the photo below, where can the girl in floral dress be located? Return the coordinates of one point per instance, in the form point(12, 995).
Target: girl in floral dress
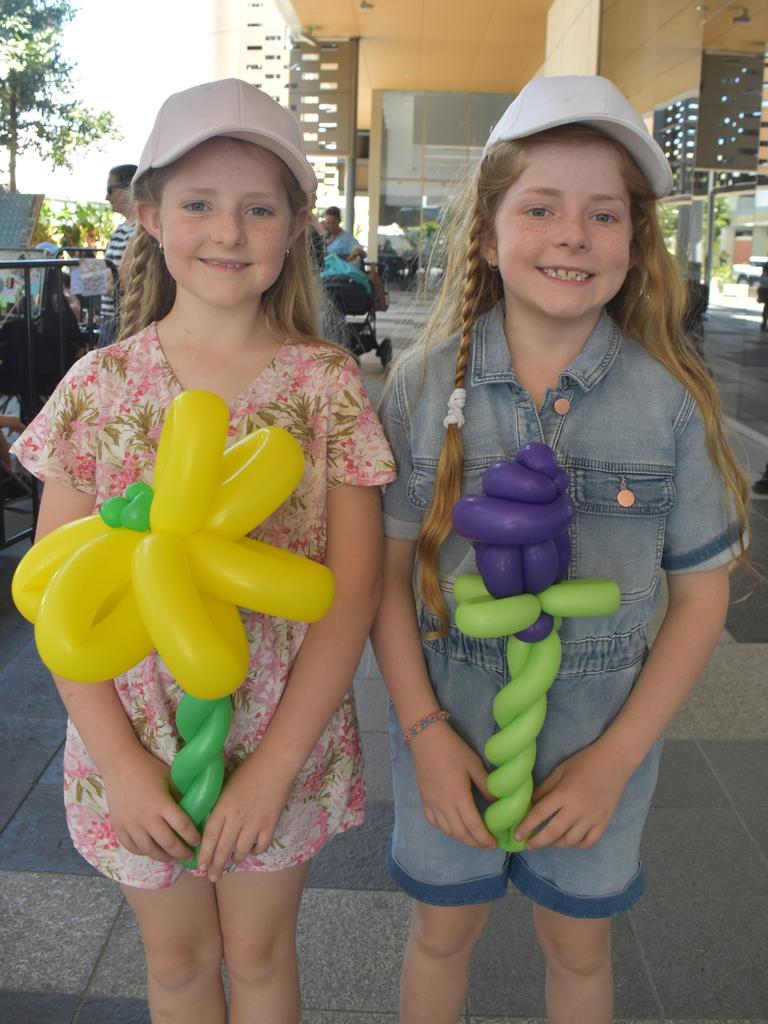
point(220, 297)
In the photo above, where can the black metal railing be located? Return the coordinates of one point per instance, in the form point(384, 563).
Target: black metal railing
point(41, 336)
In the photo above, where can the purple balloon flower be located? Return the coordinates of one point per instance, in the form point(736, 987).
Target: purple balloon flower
point(519, 527)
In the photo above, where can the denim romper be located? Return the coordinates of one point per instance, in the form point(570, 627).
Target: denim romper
point(627, 425)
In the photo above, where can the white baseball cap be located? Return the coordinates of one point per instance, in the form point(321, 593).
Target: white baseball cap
point(228, 107)
point(585, 99)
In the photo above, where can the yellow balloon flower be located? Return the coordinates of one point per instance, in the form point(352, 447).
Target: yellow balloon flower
point(166, 568)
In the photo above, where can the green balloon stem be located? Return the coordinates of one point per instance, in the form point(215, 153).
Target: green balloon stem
point(197, 771)
point(519, 708)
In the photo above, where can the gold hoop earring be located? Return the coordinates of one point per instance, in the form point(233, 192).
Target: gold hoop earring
point(160, 247)
point(287, 252)
point(492, 265)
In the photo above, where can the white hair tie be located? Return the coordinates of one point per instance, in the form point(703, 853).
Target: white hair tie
point(456, 403)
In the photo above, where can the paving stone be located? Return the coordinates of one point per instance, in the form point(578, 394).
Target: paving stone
point(378, 769)
point(28, 652)
point(699, 851)
point(357, 859)
point(11, 796)
point(682, 726)
point(358, 970)
point(474, 1019)
point(27, 690)
point(707, 956)
point(334, 1017)
point(372, 704)
point(507, 971)
point(685, 778)
point(507, 974)
point(729, 699)
point(121, 971)
point(368, 668)
point(54, 773)
point(27, 745)
point(52, 928)
point(742, 768)
point(15, 635)
point(747, 620)
point(37, 839)
point(350, 949)
point(37, 1008)
point(114, 1011)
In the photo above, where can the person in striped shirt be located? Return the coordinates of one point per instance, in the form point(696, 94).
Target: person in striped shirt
point(119, 198)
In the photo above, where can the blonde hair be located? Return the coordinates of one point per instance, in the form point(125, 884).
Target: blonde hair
point(649, 307)
point(290, 305)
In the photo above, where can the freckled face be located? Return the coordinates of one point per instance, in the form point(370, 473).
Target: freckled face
point(562, 233)
point(224, 222)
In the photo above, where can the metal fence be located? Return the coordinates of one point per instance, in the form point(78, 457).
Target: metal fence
point(45, 327)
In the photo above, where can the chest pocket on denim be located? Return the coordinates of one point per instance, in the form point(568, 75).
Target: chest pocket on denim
point(421, 485)
point(456, 555)
point(619, 531)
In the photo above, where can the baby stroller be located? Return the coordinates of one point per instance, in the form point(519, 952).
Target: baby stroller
point(358, 305)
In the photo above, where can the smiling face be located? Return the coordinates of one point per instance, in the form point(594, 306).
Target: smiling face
point(562, 234)
point(225, 222)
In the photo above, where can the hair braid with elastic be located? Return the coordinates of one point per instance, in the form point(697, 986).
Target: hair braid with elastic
point(438, 522)
point(150, 289)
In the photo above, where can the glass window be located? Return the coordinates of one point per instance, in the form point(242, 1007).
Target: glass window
point(429, 141)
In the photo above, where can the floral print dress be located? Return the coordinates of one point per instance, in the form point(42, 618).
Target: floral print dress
point(98, 433)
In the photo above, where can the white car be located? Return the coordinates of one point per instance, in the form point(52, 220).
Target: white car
point(749, 273)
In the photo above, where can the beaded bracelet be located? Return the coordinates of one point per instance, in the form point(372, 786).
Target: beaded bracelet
point(421, 725)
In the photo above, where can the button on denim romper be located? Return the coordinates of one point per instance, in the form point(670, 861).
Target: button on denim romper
point(628, 425)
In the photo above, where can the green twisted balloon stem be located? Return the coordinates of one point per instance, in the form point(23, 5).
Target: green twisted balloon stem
point(520, 707)
point(198, 768)
point(197, 771)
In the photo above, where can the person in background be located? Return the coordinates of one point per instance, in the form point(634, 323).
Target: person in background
point(11, 486)
point(762, 296)
point(316, 237)
point(337, 240)
point(119, 198)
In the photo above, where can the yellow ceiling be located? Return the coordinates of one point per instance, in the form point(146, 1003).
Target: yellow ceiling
point(650, 48)
point(442, 45)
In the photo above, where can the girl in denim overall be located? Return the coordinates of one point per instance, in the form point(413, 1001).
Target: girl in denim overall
point(558, 322)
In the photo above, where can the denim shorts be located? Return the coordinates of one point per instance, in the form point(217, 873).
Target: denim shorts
point(599, 882)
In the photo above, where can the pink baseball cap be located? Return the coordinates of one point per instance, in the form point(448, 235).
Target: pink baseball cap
point(228, 107)
point(585, 99)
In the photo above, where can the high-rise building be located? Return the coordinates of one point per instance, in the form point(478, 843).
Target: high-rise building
point(252, 42)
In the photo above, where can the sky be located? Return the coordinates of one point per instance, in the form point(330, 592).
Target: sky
point(128, 58)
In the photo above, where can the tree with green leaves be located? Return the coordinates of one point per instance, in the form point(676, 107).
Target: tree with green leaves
point(37, 110)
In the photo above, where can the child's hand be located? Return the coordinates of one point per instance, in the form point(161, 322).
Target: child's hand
point(146, 818)
point(446, 768)
point(244, 818)
point(579, 797)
